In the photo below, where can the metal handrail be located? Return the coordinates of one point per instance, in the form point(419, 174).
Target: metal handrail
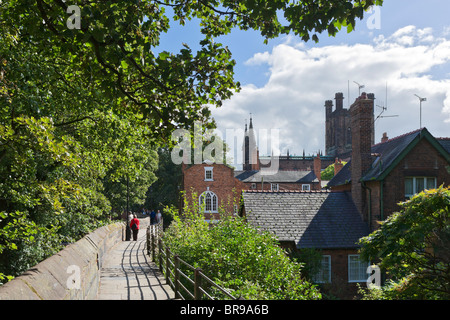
point(169, 265)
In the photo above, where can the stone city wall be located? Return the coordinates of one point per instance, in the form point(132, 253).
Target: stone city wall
point(71, 274)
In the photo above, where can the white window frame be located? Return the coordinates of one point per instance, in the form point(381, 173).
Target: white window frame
point(208, 201)
point(306, 187)
point(324, 274)
point(359, 275)
point(414, 184)
point(207, 171)
point(274, 187)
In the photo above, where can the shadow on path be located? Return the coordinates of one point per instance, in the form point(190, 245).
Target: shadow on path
point(128, 274)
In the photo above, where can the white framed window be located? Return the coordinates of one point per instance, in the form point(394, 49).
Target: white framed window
point(274, 186)
point(324, 274)
point(209, 174)
point(415, 185)
point(357, 269)
point(253, 186)
point(306, 187)
point(208, 202)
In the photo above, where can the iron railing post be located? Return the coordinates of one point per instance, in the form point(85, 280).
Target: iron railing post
point(197, 284)
point(148, 240)
point(176, 263)
point(153, 244)
point(167, 265)
point(160, 254)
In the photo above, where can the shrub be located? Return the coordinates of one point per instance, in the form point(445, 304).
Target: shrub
point(246, 261)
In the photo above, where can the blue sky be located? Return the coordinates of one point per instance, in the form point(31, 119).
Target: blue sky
point(286, 82)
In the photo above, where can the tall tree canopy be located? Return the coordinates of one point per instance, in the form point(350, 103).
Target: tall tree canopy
point(112, 51)
point(85, 101)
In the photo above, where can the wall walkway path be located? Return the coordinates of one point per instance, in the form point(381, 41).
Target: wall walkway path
point(129, 274)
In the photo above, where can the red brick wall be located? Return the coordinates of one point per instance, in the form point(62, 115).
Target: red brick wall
point(339, 286)
point(222, 185)
point(422, 160)
point(361, 124)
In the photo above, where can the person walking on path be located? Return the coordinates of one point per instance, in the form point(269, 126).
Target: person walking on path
point(134, 225)
point(128, 229)
point(152, 217)
point(158, 216)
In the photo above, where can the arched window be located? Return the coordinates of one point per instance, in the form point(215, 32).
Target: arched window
point(208, 201)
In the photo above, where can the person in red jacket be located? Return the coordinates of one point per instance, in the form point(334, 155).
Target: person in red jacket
point(134, 225)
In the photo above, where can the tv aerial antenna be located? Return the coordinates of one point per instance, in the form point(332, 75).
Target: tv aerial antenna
point(360, 86)
point(421, 100)
point(383, 109)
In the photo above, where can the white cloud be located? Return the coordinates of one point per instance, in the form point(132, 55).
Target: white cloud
point(411, 61)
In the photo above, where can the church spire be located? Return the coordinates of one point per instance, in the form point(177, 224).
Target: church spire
point(250, 149)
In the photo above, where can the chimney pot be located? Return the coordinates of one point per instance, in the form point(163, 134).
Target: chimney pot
point(338, 165)
point(339, 97)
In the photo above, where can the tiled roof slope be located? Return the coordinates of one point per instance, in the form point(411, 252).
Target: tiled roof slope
point(386, 153)
point(344, 176)
point(310, 219)
point(445, 142)
point(278, 176)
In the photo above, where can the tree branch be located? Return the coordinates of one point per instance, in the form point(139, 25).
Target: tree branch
point(74, 121)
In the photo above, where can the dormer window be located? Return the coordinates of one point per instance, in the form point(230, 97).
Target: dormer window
point(209, 174)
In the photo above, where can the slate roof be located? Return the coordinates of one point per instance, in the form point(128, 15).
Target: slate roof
point(277, 177)
point(387, 153)
point(320, 219)
point(445, 142)
point(344, 176)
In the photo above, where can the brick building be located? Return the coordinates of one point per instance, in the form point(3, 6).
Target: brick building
point(214, 185)
point(382, 175)
point(321, 220)
point(219, 185)
point(366, 190)
point(338, 132)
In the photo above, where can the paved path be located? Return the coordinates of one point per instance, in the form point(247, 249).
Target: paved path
point(129, 274)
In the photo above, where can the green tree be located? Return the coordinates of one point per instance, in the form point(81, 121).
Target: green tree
point(244, 260)
point(113, 50)
point(165, 191)
point(58, 141)
point(79, 107)
point(328, 173)
point(413, 247)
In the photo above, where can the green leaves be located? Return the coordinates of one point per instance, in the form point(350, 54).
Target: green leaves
point(238, 257)
point(80, 109)
point(414, 244)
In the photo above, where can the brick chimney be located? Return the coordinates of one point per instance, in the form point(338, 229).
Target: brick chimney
point(384, 138)
point(339, 97)
point(328, 107)
point(361, 113)
point(338, 165)
point(318, 167)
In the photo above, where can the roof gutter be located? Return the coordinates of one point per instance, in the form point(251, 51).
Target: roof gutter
point(363, 184)
point(381, 201)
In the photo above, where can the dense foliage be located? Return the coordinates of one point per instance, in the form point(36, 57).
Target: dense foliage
point(83, 107)
point(413, 247)
point(328, 173)
point(244, 260)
